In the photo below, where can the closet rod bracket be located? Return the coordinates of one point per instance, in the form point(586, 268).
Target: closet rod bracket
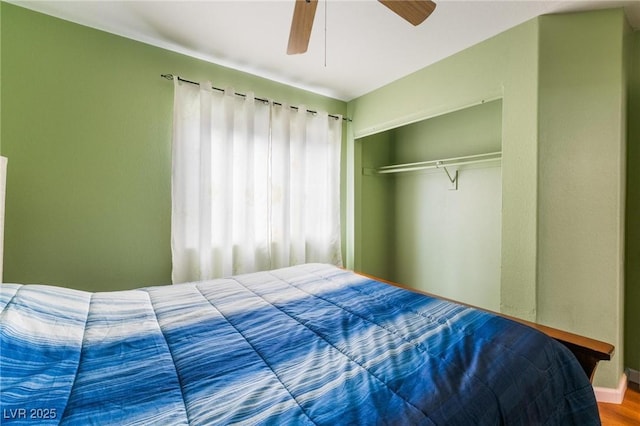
point(454, 179)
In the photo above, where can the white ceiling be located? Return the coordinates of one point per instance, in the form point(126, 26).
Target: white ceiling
point(365, 45)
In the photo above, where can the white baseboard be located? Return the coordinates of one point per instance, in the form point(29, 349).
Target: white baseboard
point(612, 396)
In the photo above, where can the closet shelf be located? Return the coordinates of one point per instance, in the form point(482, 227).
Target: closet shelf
point(445, 162)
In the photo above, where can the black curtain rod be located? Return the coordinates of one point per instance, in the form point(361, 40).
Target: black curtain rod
point(170, 77)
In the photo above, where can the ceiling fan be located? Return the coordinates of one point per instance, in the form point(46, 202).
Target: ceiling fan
point(413, 11)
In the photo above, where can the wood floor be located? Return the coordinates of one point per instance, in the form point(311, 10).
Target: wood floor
point(625, 414)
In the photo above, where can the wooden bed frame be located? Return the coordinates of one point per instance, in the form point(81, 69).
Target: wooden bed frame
point(588, 351)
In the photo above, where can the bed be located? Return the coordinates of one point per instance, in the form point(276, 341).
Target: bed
point(310, 344)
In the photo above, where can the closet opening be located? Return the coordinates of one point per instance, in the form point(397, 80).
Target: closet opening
point(429, 205)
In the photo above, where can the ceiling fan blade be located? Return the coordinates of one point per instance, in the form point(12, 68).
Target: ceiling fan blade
point(414, 11)
point(301, 24)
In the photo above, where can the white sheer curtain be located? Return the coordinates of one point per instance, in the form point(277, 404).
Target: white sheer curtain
point(255, 186)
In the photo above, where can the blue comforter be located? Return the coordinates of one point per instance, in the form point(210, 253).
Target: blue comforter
point(311, 344)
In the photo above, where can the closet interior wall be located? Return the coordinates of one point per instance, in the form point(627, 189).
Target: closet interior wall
point(413, 228)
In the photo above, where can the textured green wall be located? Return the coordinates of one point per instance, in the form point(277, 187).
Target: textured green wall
point(377, 224)
point(87, 130)
point(504, 67)
point(632, 264)
point(582, 177)
point(420, 233)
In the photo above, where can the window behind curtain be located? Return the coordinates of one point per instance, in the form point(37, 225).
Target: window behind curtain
point(255, 186)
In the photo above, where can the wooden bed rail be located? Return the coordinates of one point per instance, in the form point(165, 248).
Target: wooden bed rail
point(587, 351)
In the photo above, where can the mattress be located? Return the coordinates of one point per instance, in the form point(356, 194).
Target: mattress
point(310, 344)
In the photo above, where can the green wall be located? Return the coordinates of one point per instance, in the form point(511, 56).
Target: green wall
point(561, 79)
point(632, 253)
point(581, 182)
point(87, 130)
point(427, 236)
point(504, 67)
point(377, 225)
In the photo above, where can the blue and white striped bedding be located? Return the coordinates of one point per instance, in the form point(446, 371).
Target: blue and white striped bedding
point(311, 344)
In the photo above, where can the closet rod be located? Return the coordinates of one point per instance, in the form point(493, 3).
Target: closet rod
point(242, 95)
point(446, 162)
